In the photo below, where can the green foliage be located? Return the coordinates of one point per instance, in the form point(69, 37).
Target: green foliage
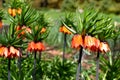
point(36, 34)
point(27, 17)
point(45, 70)
point(110, 67)
point(61, 71)
point(92, 23)
point(1, 14)
point(10, 37)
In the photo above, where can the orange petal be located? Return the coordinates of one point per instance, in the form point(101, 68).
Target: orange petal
point(12, 50)
point(104, 47)
point(40, 46)
point(18, 28)
point(1, 24)
point(31, 46)
point(77, 41)
point(6, 53)
point(1, 51)
point(91, 43)
point(95, 45)
point(13, 12)
point(64, 30)
point(43, 30)
point(19, 10)
point(17, 53)
point(10, 11)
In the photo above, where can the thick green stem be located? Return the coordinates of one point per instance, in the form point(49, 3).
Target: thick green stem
point(19, 64)
point(79, 63)
point(97, 66)
point(8, 69)
point(40, 56)
point(64, 47)
point(34, 71)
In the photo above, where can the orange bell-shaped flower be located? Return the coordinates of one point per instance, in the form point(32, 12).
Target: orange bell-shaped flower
point(35, 46)
point(31, 46)
point(10, 11)
point(64, 30)
point(25, 30)
point(11, 52)
point(39, 46)
point(77, 41)
point(13, 12)
point(91, 43)
point(104, 47)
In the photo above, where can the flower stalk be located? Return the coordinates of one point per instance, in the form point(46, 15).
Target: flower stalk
point(19, 65)
point(64, 47)
point(97, 66)
point(79, 63)
point(40, 54)
point(34, 71)
point(9, 69)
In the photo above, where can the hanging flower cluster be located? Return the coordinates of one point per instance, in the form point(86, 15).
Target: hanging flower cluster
point(25, 30)
point(9, 52)
point(13, 11)
point(86, 27)
point(91, 43)
point(32, 46)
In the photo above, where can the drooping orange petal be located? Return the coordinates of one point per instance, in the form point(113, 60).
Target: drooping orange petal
point(18, 28)
point(10, 11)
point(104, 47)
point(39, 46)
point(1, 24)
point(1, 51)
point(31, 46)
point(88, 41)
point(77, 41)
point(95, 45)
point(17, 53)
point(6, 53)
point(12, 50)
point(64, 30)
point(91, 43)
point(19, 10)
point(13, 12)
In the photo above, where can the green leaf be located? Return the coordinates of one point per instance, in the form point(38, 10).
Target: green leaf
point(74, 32)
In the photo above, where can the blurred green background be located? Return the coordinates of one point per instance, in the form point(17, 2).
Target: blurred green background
point(108, 6)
